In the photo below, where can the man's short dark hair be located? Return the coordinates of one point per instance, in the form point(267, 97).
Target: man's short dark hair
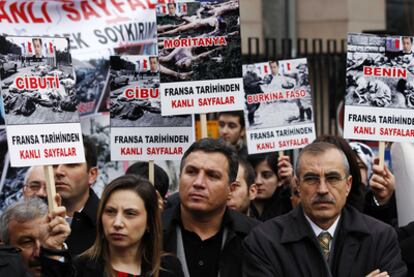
point(249, 173)
point(90, 152)
point(37, 39)
point(411, 38)
point(210, 145)
point(174, 4)
point(318, 148)
point(239, 114)
point(161, 180)
point(273, 61)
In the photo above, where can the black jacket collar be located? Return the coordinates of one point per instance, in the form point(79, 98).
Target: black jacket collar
point(90, 209)
point(233, 220)
point(297, 227)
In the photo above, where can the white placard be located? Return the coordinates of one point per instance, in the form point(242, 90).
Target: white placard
point(201, 96)
point(278, 106)
point(158, 143)
point(45, 144)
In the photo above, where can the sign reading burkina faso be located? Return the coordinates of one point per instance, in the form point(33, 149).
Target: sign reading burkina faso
point(40, 101)
point(278, 106)
point(379, 100)
point(200, 57)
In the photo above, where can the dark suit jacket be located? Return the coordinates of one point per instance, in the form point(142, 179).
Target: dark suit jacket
point(277, 205)
point(238, 226)
point(287, 246)
point(406, 238)
point(386, 213)
point(10, 262)
point(83, 226)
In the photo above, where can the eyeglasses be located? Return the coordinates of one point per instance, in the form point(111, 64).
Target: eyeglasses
point(330, 179)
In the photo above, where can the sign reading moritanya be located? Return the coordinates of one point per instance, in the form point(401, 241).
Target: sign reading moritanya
point(278, 109)
point(138, 131)
point(379, 100)
point(40, 101)
point(200, 56)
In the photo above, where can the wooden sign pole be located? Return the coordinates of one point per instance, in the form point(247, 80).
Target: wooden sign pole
point(203, 125)
point(381, 153)
point(151, 176)
point(50, 187)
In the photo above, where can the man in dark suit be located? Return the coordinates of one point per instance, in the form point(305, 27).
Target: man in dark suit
point(73, 183)
point(322, 237)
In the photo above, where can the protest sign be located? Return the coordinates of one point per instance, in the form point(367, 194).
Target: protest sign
point(278, 110)
point(40, 102)
point(379, 98)
point(138, 131)
point(89, 25)
point(95, 29)
point(200, 57)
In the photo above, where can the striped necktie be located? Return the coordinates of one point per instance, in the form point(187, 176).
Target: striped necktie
point(324, 239)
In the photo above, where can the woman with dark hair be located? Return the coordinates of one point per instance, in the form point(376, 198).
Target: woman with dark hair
point(356, 195)
point(273, 177)
point(129, 235)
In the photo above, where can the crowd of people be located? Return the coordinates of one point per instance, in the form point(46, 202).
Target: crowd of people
point(332, 214)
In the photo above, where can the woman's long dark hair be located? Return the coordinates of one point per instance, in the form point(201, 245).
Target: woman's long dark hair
point(151, 242)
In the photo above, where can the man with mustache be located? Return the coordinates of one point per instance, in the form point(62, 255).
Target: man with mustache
point(322, 236)
point(73, 183)
point(204, 234)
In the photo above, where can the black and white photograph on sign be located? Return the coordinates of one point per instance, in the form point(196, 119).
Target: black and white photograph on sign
point(380, 71)
point(91, 79)
point(135, 100)
point(98, 130)
point(199, 40)
point(1, 113)
point(277, 93)
point(37, 80)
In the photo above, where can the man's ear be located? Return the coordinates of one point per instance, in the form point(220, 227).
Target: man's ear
point(296, 183)
point(252, 192)
point(93, 174)
point(243, 133)
point(233, 186)
point(348, 184)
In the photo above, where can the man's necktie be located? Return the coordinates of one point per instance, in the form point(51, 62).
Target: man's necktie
point(324, 239)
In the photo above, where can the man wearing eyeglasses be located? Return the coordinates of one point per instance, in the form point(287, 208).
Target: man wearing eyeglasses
point(35, 183)
point(322, 236)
